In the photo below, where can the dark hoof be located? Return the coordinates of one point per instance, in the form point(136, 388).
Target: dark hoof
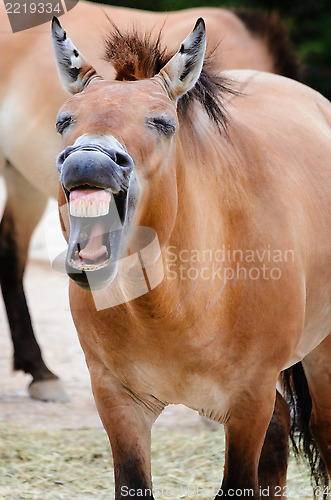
point(48, 390)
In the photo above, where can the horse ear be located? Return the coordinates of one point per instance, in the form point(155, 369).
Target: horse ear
point(181, 73)
point(74, 71)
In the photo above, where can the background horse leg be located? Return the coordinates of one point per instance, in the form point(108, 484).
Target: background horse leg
point(128, 422)
point(23, 210)
point(275, 452)
point(317, 366)
point(245, 433)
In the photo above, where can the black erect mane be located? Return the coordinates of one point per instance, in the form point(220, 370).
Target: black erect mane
point(137, 56)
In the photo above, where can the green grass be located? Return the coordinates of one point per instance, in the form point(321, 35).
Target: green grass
point(77, 465)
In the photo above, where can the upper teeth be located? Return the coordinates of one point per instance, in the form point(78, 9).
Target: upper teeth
point(103, 208)
point(92, 209)
point(86, 206)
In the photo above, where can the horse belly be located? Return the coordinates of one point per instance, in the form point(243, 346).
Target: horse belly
point(317, 324)
point(314, 333)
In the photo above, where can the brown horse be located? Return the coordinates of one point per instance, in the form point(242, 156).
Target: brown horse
point(28, 147)
point(231, 174)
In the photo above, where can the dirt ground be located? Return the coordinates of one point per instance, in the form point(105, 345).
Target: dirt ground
point(47, 294)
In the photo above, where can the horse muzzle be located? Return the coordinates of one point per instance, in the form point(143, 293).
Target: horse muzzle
point(96, 179)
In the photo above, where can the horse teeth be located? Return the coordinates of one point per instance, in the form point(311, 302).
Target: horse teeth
point(87, 267)
point(81, 208)
point(103, 208)
point(92, 209)
point(73, 210)
point(89, 206)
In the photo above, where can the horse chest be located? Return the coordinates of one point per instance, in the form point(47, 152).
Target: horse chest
point(166, 367)
point(158, 381)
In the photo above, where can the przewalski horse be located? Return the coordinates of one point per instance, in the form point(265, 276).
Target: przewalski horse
point(28, 147)
point(225, 168)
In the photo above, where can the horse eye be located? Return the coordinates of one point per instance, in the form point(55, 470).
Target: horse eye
point(163, 125)
point(63, 122)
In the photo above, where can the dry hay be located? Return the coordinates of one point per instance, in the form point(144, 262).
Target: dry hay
point(77, 465)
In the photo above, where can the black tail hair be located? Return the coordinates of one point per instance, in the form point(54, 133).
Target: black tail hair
point(297, 395)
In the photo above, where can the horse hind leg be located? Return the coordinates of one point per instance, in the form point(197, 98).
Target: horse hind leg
point(274, 456)
point(23, 210)
point(317, 367)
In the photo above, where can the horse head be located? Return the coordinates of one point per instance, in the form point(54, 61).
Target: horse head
point(118, 167)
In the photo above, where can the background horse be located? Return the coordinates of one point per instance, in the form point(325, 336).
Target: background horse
point(30, 96)
point(237, 160)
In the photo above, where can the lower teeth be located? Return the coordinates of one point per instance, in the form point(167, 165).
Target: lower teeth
point(87, 267)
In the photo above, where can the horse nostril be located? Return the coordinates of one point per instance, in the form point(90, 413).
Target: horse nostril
point(92, 164)
point(59, 161)
point(63, 156)
point(123, 160)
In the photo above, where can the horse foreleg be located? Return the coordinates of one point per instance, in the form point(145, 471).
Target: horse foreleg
point(127, 421)
point(275, 451)
point(245, 433)
point(23, 209)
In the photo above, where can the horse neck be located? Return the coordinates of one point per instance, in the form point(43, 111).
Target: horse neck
point(206, 188)
point(209, 186)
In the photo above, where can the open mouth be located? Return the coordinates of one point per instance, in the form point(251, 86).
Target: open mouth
point(96, 176)
point(96, 219)
point(93, 247)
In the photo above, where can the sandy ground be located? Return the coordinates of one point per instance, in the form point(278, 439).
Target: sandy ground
point(47, 294)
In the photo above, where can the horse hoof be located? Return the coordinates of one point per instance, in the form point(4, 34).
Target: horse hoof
point(48, 390)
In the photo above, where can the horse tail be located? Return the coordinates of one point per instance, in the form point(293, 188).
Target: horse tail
point(296, 392)
point(271, 30)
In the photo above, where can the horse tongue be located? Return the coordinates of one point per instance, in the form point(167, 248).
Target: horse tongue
point(94, 248)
